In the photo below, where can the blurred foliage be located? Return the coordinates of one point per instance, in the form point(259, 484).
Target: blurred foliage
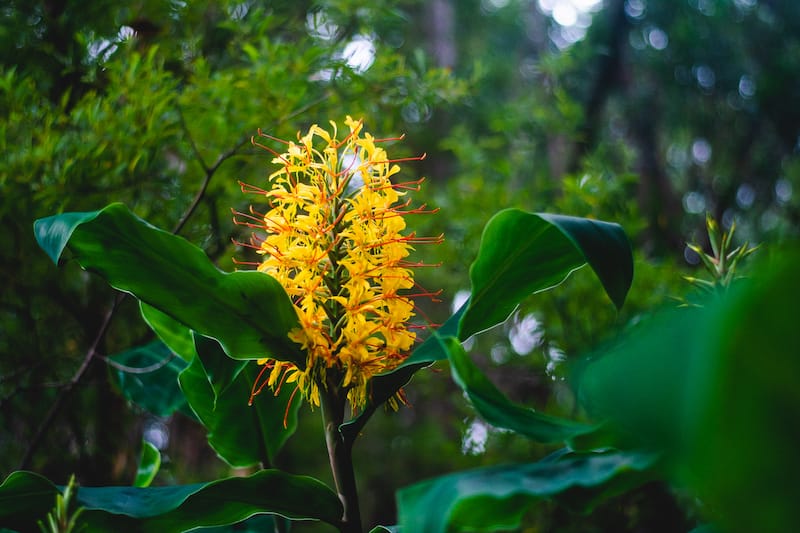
point(661, 112)
point(715, 392)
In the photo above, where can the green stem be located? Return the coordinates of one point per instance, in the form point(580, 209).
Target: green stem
point(333, 400)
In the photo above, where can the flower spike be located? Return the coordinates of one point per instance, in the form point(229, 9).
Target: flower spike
point(334, 237)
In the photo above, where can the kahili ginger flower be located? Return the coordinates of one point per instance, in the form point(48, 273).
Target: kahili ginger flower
point(334, 239)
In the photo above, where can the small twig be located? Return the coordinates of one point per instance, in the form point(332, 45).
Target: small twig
point(192, 144)
point(211, 170)
point(139, 370)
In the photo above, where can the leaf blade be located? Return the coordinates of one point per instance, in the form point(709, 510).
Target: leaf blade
point(149, 464)
point(26, 497)
point(523, 253)
point(496, 498)
point(174, 334)
point(717, 392)
point(248, 312)
point(242, 435)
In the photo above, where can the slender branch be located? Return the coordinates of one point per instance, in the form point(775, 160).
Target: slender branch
point(211, 170)
point(76, 378)
point(192, 144)
point(333, 400)
point(139, 370)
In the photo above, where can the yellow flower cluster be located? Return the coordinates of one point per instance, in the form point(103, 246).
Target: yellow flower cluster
point(334, 241)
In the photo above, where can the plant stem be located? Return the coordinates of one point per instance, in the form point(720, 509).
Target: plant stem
point(333, 400)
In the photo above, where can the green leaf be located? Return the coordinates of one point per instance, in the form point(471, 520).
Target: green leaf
point(718, 389)
point(148, 377)
point(249, 313)
point(221, 372)
point(496, 498)
point(640, 384)
point(606, 249)
point(495, 407)
point(149, 463)
point(26, 497)
point(173, 333)
point(243, 435)
point(53, 233)
point(523, 253)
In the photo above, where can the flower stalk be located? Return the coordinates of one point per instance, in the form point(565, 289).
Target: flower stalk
point(340, 456)
point(334, 235)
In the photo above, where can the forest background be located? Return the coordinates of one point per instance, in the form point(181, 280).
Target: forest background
point(647, 113)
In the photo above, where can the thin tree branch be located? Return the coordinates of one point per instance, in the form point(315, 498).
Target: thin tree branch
point(76, 378)
point(192, 144)
point(211, 170)
point(139, 370)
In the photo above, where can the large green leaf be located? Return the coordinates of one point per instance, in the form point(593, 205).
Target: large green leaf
point(249, 313)
point(522, 253)
point(242, 434)
point(496, 498)
point(718, 388)
point(148, 377)
point(640, 384)
point(498, 410)
point(26, 497)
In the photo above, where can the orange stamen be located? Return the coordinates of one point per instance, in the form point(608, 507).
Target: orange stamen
point(288, 405)
point(256, 389)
